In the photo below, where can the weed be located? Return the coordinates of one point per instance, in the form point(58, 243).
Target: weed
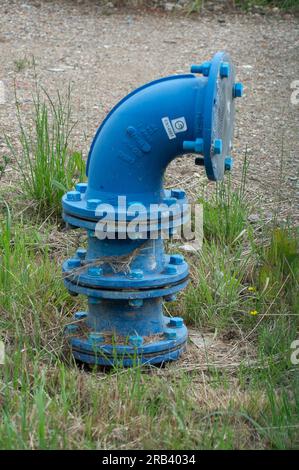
point(195, 6)
point(282, 4)
point(24, 63)
point(31, 292)
point(47, 165)
point(4, 161)
point(218, 295)
point(226, 212)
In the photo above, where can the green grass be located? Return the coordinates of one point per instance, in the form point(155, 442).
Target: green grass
point(219, 292)
point(244, 281)
point(24, 63)
point(226, 211)
point(47, 402)
point(47, 164)
point(282, 4)
point(4, 161)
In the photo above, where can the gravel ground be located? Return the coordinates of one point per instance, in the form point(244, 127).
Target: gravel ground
point(105, 54)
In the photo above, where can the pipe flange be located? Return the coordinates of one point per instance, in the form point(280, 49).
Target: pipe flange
point(218, 115)
point(77, 206)
point(95, 276)
point(96, 348)
point(128, 294)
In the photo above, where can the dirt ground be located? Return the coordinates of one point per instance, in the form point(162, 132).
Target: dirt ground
point(106, 54)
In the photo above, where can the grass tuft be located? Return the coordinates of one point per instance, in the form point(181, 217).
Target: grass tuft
point(47, 165)
point(226, 212)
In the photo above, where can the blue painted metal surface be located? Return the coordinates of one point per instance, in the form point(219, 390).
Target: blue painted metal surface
point(126, 279)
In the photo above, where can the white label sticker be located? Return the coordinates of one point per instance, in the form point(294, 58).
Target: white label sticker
point(179, 124)
point(168, 128)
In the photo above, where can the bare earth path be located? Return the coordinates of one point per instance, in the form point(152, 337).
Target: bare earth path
point(106, 56)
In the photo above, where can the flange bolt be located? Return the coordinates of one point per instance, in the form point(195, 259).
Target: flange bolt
point(238, 89)
point(93, 203)
point(95, 271)
point(136, 303)
point(96, 338)
point(178, 193)
point(81, 187)
point(136, 274)
point(170, 298)
point(73, 196)
point(169, 201)
point(81, 253)
point(170, 269)
point(199, 161)
point(224, 70)
point(218, 146)
point(71, 329)
point(136, 340)
point(176, 259)
point(176, 322)
point(170, 333)
point(80, 315)
point(74, 263)
point(195, 146)
point(228, 163)
point(203, 68)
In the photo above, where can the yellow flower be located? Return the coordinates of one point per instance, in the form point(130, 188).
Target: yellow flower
point(253, 312)
point(251, 289)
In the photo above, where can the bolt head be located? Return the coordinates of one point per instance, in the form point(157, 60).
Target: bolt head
point(178, 193)
point(176, 322)
point(74, 263)
point(73, 294)
point(238, 90)
point(170, 298)
point(170, 333)
point(203, 68)
point(199, 161)
point(136, 274)
point(93, 203)
point(73, 196)
point(169, 201)
point(198, 147)
point(176, 259)
point(136, 340)
point(136, 303)
point(80, 315)
point(95, 271)
point(217, 146)
point(91, 233)
point(71, 329)
point(193, 145)
point(81, 187)
point(224, 70)
point(81, 253)
point(96, 338)
point(170, 269)
point(228, 163)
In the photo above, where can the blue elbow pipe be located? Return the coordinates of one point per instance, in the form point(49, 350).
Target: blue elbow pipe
point(124, 272)
point(136, 142)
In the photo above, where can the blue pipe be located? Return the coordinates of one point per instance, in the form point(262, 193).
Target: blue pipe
point(132, 150)
point(126, 278)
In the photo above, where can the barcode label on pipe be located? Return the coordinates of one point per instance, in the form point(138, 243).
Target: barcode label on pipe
point(168, 128)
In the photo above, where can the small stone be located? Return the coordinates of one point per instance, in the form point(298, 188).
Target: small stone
point(253, 218)
point(169, 6)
